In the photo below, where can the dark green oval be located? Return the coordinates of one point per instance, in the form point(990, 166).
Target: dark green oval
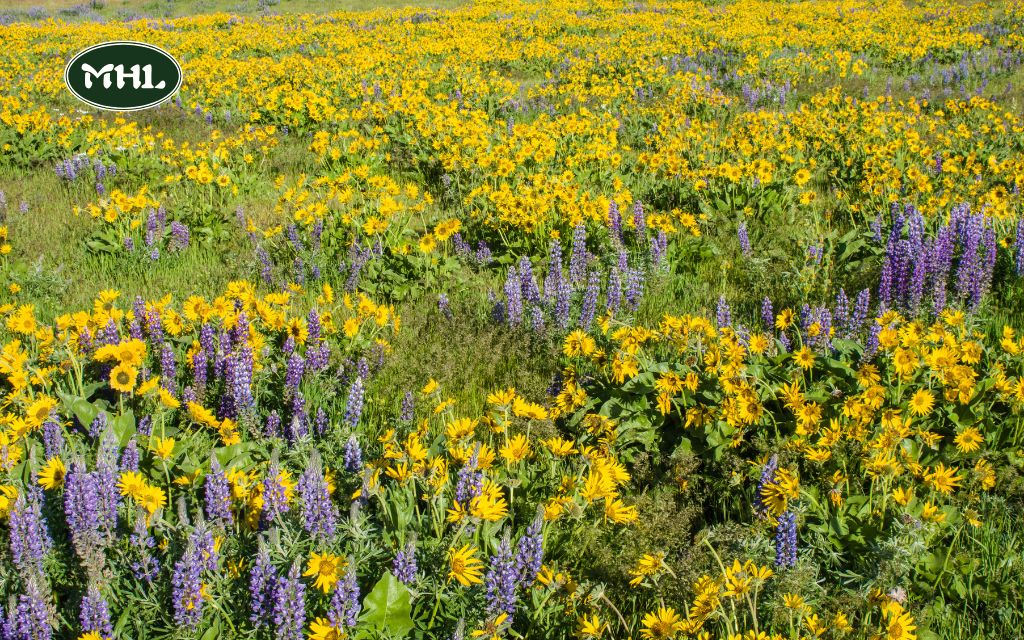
point(139, 75)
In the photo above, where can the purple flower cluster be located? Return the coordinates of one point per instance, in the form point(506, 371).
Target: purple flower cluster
point(95, 614)
point(785, 540)
point(404, 565)
point(186, 582)
point(502, 580)
point(345, 607)
point(959, 258)
point(262, 578)
point(319, 514)
point(354, 406)
point(353, 455)
point(218, 494)
point(29, 535)
point(30, 618)
point(290, 605)
point(275, 500)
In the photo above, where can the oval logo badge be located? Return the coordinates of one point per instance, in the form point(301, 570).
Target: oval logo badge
point(123, 76)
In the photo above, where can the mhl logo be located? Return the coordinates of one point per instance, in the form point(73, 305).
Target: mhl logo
point(123, 76)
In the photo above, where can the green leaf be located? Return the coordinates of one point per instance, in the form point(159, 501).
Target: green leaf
point(388, 607)
point(124, 427)
point(84, 410)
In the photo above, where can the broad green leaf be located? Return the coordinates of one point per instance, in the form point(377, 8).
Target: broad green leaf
point(387, 607)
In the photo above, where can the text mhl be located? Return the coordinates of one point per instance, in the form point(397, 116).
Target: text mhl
point(107, 70)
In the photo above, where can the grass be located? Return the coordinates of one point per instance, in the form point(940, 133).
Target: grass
point(76, 10)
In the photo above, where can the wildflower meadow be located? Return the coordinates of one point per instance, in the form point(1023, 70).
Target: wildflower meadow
point(614, 319)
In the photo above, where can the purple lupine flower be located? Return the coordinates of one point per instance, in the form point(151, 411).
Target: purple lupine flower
point(354, 406)
point(483, 254)
point(345, 607)
point(217, 494)
point(470, 483)
point(180, 236)
point(767, 314)
point(553, 279)
point(53, 437)
point(81, 508)
point(871, 346)
point(530, 551)
point(860, 312)
point(240, 379)
point(130, 457)
point(145, 566)
point(659, 247)
point(353, 455)
point(168, 369)
point(562, 303)
point(443, 306)
point(639, 221)
point(501, 581)
point(262, 578)
point(615, 221)
point(767, 477)
point(266, 266)
point(129, 244)
point(319, 514)
point(785, 540)
point(589, 307)
point(98, 424)
point(94, 613)
point(290, 605)
point(321, 422)
point(29, 534)
point(404, 564)
point(107, 493)
point(145, 426)
point(578, 257)
point(298, 428)
point(293, 376)
point(842, 313)
point(186, 581)
point(744, 238)
point(1018, 248)
point(275, 501)
point(527, 283)
point(205, 546)
point(614, 295)
point(634, 288)
point(273, 425)
point(722, 313)
point(513, 297)
point(408, 407)
point(30, 619)
point(537, 318)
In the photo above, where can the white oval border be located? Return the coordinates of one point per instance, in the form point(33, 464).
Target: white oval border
point(67, 70)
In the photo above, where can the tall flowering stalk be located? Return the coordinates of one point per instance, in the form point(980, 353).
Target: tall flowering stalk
point(29, 535)
point(319, 514)
point(345, 607)
point(290, 605)
point(217, 494)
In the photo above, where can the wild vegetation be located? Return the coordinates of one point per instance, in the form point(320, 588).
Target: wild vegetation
point(541, 320)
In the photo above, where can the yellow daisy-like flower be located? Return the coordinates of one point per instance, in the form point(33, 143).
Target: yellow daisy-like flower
point(804, 358)
point(162, 447)
point(663, 623)
point(122, 378)
point(321, 629)
point(327, 569)
point(51, 476)
point(465, 567)
point(969, 440)
point(921, 402)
